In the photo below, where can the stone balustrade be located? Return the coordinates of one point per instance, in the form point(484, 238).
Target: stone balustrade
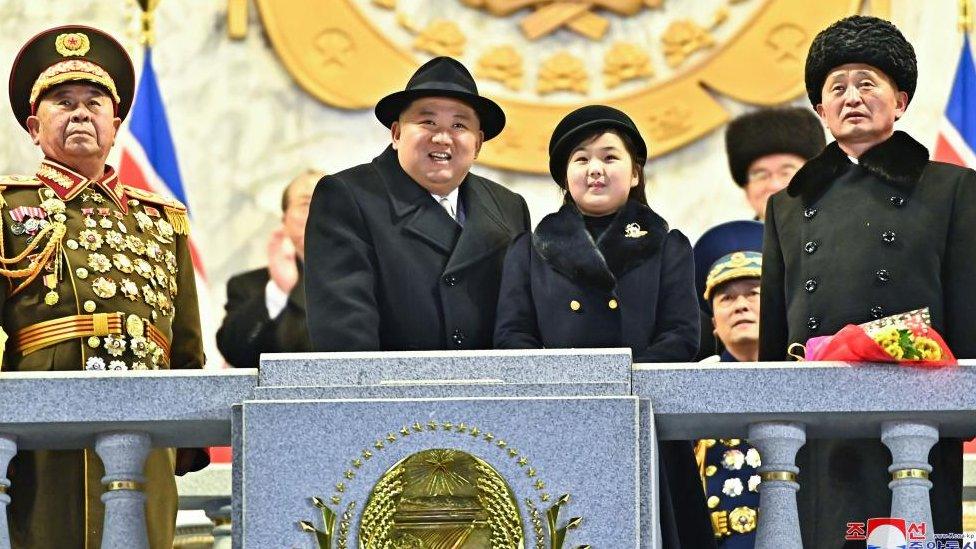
point(122, 414)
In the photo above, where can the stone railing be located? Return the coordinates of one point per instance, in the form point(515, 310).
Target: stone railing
point(121, 415)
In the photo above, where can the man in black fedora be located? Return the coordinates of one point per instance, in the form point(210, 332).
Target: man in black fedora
point(405, 253)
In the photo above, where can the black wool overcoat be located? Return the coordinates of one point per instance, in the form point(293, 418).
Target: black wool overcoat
point(845, 243)
point(561, 289)
point(248, 330)
point(634, 287)
point(387, 269)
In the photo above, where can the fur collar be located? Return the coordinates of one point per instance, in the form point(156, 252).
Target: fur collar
point(898, 161)
point(563, 242)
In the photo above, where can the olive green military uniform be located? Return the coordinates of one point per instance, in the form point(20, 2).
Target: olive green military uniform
point(99, 278)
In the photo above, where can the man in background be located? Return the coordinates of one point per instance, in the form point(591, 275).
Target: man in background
point(266, 307)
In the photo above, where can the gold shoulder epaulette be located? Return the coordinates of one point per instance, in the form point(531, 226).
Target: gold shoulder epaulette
point(19, 181)
point(174, 209)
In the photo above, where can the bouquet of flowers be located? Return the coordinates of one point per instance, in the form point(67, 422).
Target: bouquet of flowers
point(906, 338)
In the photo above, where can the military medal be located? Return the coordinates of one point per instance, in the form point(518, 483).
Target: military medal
point(149, 296)
point(95, 363)
point(114, 344)
point(129, 289)
point(116, 365)
point(51, 298)
point(122, 263)
point(143, 268)
point(139, 347)
point(135, 244)
point(89, 222)
point(90, 240)
point(53, 206)
point(170, 260)
point(143, 221)
point(154, 251)
point(161, 276)
point(172, 286)
point(165, 228)
point(115, 240)
point(99, 263)
point(104, 288)
point(105, 222)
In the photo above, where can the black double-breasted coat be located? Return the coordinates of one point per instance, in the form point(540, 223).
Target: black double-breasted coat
point(561, 289)
point(249, 330)
point(632, 287)
point(388, 269)
point(846, 243)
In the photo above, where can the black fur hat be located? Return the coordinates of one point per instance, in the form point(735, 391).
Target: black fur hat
point(791, 130)
point(861, 39)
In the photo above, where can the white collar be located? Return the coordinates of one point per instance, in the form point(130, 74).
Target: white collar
point(854, 160)
point(452, 198)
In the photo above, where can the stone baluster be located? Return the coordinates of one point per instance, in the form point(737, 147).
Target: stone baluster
point(219, 512)
point(124, 456)
point(910, 443)
point(779, 522)
point(8, 449)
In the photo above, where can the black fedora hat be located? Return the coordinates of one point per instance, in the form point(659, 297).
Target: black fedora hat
point(581, 122)
point(443, 77)
point(70, 53)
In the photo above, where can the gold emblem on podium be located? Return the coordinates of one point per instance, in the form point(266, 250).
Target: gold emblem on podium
point(441, 498)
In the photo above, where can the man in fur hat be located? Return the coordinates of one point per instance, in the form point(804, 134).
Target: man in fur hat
point(867, 229)
point(766, 147)
point(405, 253)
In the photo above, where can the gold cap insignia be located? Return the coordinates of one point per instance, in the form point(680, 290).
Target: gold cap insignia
point(72, 43)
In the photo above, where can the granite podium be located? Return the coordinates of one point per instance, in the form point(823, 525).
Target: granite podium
point(536, 450)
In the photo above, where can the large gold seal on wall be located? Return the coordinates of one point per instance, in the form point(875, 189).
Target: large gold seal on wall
point(441, 498)
point(664, 62)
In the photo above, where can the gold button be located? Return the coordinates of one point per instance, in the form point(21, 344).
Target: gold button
point(94, 342)
point(71, 244)
point(574, 305)
point(710, 470)
point(612, 304)
point(81, 272)
point(90, 306)
point(712, 502)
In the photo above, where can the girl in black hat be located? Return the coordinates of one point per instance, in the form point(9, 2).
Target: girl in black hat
point(606, 271)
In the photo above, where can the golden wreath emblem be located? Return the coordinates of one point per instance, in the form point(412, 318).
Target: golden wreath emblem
point(663, 62)
point(633, 230)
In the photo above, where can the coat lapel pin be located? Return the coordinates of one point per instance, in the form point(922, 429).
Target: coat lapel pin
point(633, 230)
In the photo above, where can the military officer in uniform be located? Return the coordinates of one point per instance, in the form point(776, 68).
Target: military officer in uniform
point(98, 277)
point(869, 228)
point(405, 253)
point(764, 148)
point(728, 262)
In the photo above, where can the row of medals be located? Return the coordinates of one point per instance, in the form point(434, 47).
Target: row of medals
point(160, 277)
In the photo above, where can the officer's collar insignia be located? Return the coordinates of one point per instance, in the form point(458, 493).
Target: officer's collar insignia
point(72, 43)
point(67, 183)
point(633, 230)
point(898, 161)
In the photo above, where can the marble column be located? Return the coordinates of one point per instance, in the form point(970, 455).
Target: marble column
point(219, 512)
point(8, 449)
point(910, 443)
point(124, 456)
point(779, 523)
